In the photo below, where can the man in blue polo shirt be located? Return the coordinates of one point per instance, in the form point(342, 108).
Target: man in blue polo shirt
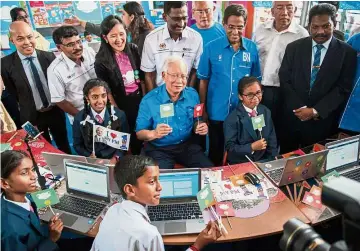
point(351, 117)
point(169, 137)
point(224, 62)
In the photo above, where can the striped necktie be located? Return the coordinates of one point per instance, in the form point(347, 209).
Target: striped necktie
point(316, 64)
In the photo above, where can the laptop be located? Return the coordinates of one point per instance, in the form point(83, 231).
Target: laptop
point(287, 171)
point(98, 161)
point(55, 161)
point(344, 157)
point(178, 211)
point(87, 194)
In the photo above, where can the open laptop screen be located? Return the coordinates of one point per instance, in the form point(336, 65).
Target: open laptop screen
point(86, 179)
point(179, 184)
point(342, 154)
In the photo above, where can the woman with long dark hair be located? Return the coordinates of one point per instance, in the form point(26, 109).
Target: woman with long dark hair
point(118, 64)
point(137, 25)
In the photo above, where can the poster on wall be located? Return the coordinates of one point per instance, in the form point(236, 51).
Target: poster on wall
point(53, 12)
point(5, 21)
point(39, 14)
point(156, 9)
point(118, 6)
point(107, 8)
point(88, 10)
point(67, 10)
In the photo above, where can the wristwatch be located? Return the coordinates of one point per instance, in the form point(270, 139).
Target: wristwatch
point(316, 114)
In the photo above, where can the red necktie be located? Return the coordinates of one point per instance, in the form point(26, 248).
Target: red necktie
point(99, 119)
point(252, 113)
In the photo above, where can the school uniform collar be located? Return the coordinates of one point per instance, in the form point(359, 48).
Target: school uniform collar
point(248, 110)
point(131, 206)
point(164, 95)
point(13, 208)
point(225, 43)
point(26, 205)
point(102, 113)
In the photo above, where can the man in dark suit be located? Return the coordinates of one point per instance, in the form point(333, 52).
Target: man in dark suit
point(24, 75)
point(316, 77)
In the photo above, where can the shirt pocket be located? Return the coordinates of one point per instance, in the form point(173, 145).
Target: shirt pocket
point(245, 68)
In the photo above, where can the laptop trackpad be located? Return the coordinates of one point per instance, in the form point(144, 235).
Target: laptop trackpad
point(68, 219)
point(175, 227)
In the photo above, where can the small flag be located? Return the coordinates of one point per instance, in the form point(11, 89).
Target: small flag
point(45, 198)
point(258, 122)
point(115, 139)
point(205, 198)
point(167, 110)
point(198, 110)
point(329, 176)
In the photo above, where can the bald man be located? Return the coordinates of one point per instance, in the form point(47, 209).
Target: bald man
point(24, 75)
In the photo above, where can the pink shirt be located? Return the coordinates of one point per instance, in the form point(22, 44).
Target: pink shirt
point(127, 73)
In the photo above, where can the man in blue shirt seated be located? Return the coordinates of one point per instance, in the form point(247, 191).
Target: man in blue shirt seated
point(170, 136)
point(203, 12)
point(224, 62)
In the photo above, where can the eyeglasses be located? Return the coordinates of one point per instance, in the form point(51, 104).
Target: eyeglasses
point(204, 11)
point(72, 44)
point(22, 17)
point(174, 77)
point(251, 96)
point(179, 19)
point(233, 27)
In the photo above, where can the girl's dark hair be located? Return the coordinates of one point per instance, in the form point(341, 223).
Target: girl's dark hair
point(129, 169)
point(91, 83)
point(10, 160)
point(140, 23)
point(245, 82)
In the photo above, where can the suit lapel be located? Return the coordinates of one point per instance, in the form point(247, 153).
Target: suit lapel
point(246, 121)
point(307, 52)
point(20, 69)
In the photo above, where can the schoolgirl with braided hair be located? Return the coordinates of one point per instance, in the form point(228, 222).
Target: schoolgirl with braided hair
point(97, 110)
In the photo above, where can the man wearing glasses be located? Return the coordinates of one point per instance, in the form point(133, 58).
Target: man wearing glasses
point(19, 14)
point(203, 12)
point(224, 62)
point(173, 38)
point(166, 120)
point(24, 75)
point(69, 72)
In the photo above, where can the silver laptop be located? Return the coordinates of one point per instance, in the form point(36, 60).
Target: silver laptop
point(178, 211)
point(55, 161)
point(97, 161)
point(344, 157)
point(87, 194)
point(287, 171)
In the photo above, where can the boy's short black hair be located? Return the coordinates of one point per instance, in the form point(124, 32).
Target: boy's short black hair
point(10, 160)
point(14, 13)
point(64, 32)
point(168, 5)
point(246, 82)
point(129, 169)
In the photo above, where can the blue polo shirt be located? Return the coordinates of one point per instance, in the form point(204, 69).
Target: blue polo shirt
point(351, 117)
point(181, 123)
point(224, 67)
point(208, 35)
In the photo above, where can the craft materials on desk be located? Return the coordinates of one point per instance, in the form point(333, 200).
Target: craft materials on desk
point(45, 198)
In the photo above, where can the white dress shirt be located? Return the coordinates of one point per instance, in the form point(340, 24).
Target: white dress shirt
point(67, 79)
point(271, 46)
point(101, 114)
point(26, 205)
point(323, 51)
point(159, 45)
point(248, 110)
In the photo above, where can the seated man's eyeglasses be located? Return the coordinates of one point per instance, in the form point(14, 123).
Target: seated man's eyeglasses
point(72, 44)
point(174, 77)
point(203, 11)
point(251, 96)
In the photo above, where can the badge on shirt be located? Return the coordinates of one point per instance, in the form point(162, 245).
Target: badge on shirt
point(167, 110)
point(162, 46)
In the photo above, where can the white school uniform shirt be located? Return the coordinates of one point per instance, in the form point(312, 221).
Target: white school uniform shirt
point(159, 45)
point(66, 79)
point(126, 226)
point(26, 205)
point(271, 46)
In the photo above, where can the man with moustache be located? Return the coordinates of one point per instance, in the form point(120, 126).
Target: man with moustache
point(203, 12)
point(170, 139)
point(316, 77)
point(24, 75)
point(224, 62)
point(69, 72)
point(173, 38)
point(271, 38)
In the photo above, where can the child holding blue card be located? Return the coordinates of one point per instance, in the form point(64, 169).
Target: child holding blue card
point(240, 136)
point(20, 224)
point(126, 225)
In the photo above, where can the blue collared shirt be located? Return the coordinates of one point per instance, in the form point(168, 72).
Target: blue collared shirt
point(181, 123)
point(210, 34)
point(224, 67)
point(30, 77)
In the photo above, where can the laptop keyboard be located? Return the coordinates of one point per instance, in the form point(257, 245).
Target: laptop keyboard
point(275, 174)
point(354, 175)
point(80, 207)
point(174, 212)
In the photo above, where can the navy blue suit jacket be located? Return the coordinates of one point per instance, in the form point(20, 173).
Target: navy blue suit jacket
point(240, 134)
point(21, 229)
